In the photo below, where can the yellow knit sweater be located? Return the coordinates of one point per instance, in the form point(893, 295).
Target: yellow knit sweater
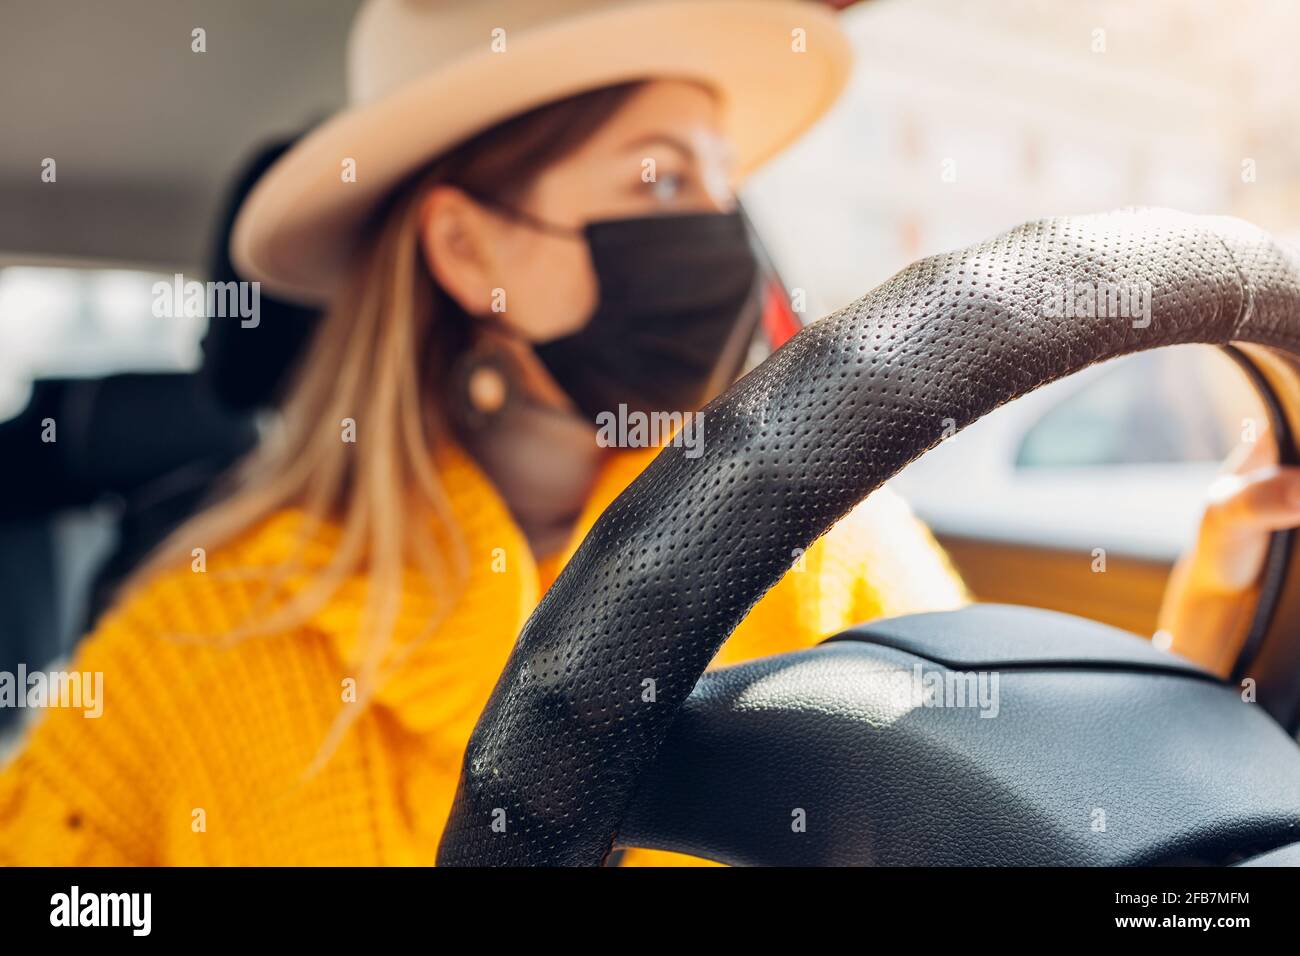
point(200, 755)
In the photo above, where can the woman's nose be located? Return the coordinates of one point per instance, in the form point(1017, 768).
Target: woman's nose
point(715, 194)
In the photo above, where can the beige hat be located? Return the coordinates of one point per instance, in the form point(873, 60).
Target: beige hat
point(424, 75)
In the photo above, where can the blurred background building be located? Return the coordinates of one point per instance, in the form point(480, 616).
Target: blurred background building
point(967, 118)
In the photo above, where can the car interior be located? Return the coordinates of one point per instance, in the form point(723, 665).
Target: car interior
point(609, 728)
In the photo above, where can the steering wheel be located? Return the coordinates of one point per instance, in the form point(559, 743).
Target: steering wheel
point(613, 651)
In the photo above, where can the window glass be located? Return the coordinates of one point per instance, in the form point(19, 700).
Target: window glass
point(81, 323)
point(1159, 407)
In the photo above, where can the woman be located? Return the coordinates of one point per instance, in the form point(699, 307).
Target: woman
point(520, 232)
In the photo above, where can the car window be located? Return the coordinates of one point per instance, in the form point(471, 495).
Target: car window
point(85, 322)
point(1159, 407)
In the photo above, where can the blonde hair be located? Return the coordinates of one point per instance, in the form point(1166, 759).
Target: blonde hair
point(381, 358)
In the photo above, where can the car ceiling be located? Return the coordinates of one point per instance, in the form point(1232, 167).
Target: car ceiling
point(145, 132)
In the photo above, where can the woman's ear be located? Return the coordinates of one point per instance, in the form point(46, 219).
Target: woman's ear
point(455, 236)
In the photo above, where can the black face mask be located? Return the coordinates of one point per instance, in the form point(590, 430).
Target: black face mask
point(672, 291)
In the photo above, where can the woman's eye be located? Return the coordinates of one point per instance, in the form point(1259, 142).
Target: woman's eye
point(667, 187)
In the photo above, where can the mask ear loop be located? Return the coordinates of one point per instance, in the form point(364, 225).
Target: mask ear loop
point(538, 224)
point(526, 218)
point(482, 386)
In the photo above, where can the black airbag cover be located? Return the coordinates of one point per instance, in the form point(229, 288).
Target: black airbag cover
point(1110, 762)
point(1000, 635)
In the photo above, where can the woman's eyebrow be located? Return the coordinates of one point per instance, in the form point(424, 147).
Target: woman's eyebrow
point(663, 139)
